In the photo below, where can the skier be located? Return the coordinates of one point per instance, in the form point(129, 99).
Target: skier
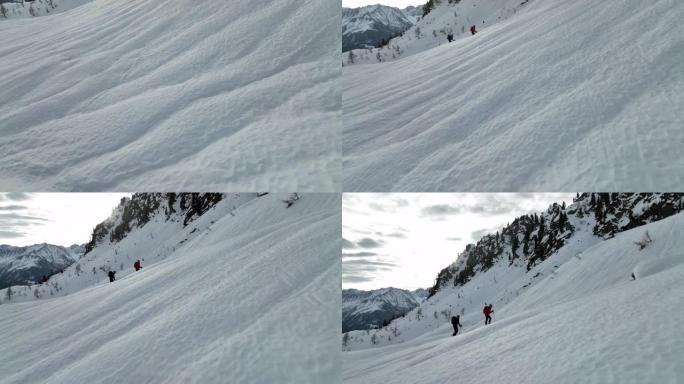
point(456, 322)
point(111, 276)
point(137, 265)
point(473, 30)
point(487, 310)
point(450, 37)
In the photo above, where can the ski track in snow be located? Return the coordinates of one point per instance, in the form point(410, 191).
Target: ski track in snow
point(251, 298)
point(169, 95)
point(572, 95)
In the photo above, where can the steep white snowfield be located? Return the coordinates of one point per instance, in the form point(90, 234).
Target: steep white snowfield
point(249, 298)
point(172, 95)
point(576, 317)
point(564, 95)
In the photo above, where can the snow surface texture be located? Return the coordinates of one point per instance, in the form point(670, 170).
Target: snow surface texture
point(250, 298)
point(172, 95)
point(563, 95)
point(576, 317)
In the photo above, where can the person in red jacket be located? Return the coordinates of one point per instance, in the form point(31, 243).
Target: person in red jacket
point(472, 29)
point(487, 310)
point(137, 265)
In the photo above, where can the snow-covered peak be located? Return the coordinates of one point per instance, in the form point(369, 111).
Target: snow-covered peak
point(25, 265)
point(371, 25)
point(372, 309)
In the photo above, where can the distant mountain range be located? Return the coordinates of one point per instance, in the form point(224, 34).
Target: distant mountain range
point(363, 310)
point(370, 26)
point(26, 265)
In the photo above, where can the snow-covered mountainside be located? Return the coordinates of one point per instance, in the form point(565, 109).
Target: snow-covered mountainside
point(121, 95)
point(446, 17)
point(562, 95)
point(234, 288)
point(23, 8)
point(370, 26)
point(26, 265)
point(577, 307)
point(371, 309)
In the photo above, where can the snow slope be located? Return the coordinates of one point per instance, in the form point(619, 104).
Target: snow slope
point(251, 298)
point(564, 95)
point(576, 317)
point(172, 95)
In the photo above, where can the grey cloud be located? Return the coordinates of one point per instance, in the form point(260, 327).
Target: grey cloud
point(388, 203)
point(368, 265)
point(454, 238)
point(397, 235)
point(10, 234)
point(440, 210)
point(369, 243)
point(354, 278)
point(359, 254)
point(15, 196)
point(13, 207)
point(346, 244)
point(20, 217)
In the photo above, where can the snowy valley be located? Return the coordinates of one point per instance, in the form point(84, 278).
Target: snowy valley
point(590, 289)
point(221, 274)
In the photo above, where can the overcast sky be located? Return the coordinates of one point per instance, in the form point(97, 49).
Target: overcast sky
point(54, 218)
point(404, 240)
point(392, 3)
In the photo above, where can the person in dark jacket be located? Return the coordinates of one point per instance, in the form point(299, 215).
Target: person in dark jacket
point(111, 276)
point(487, 310)
point(473, 30)
point(450, 37)
point(456, 322)
point(137, 265)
